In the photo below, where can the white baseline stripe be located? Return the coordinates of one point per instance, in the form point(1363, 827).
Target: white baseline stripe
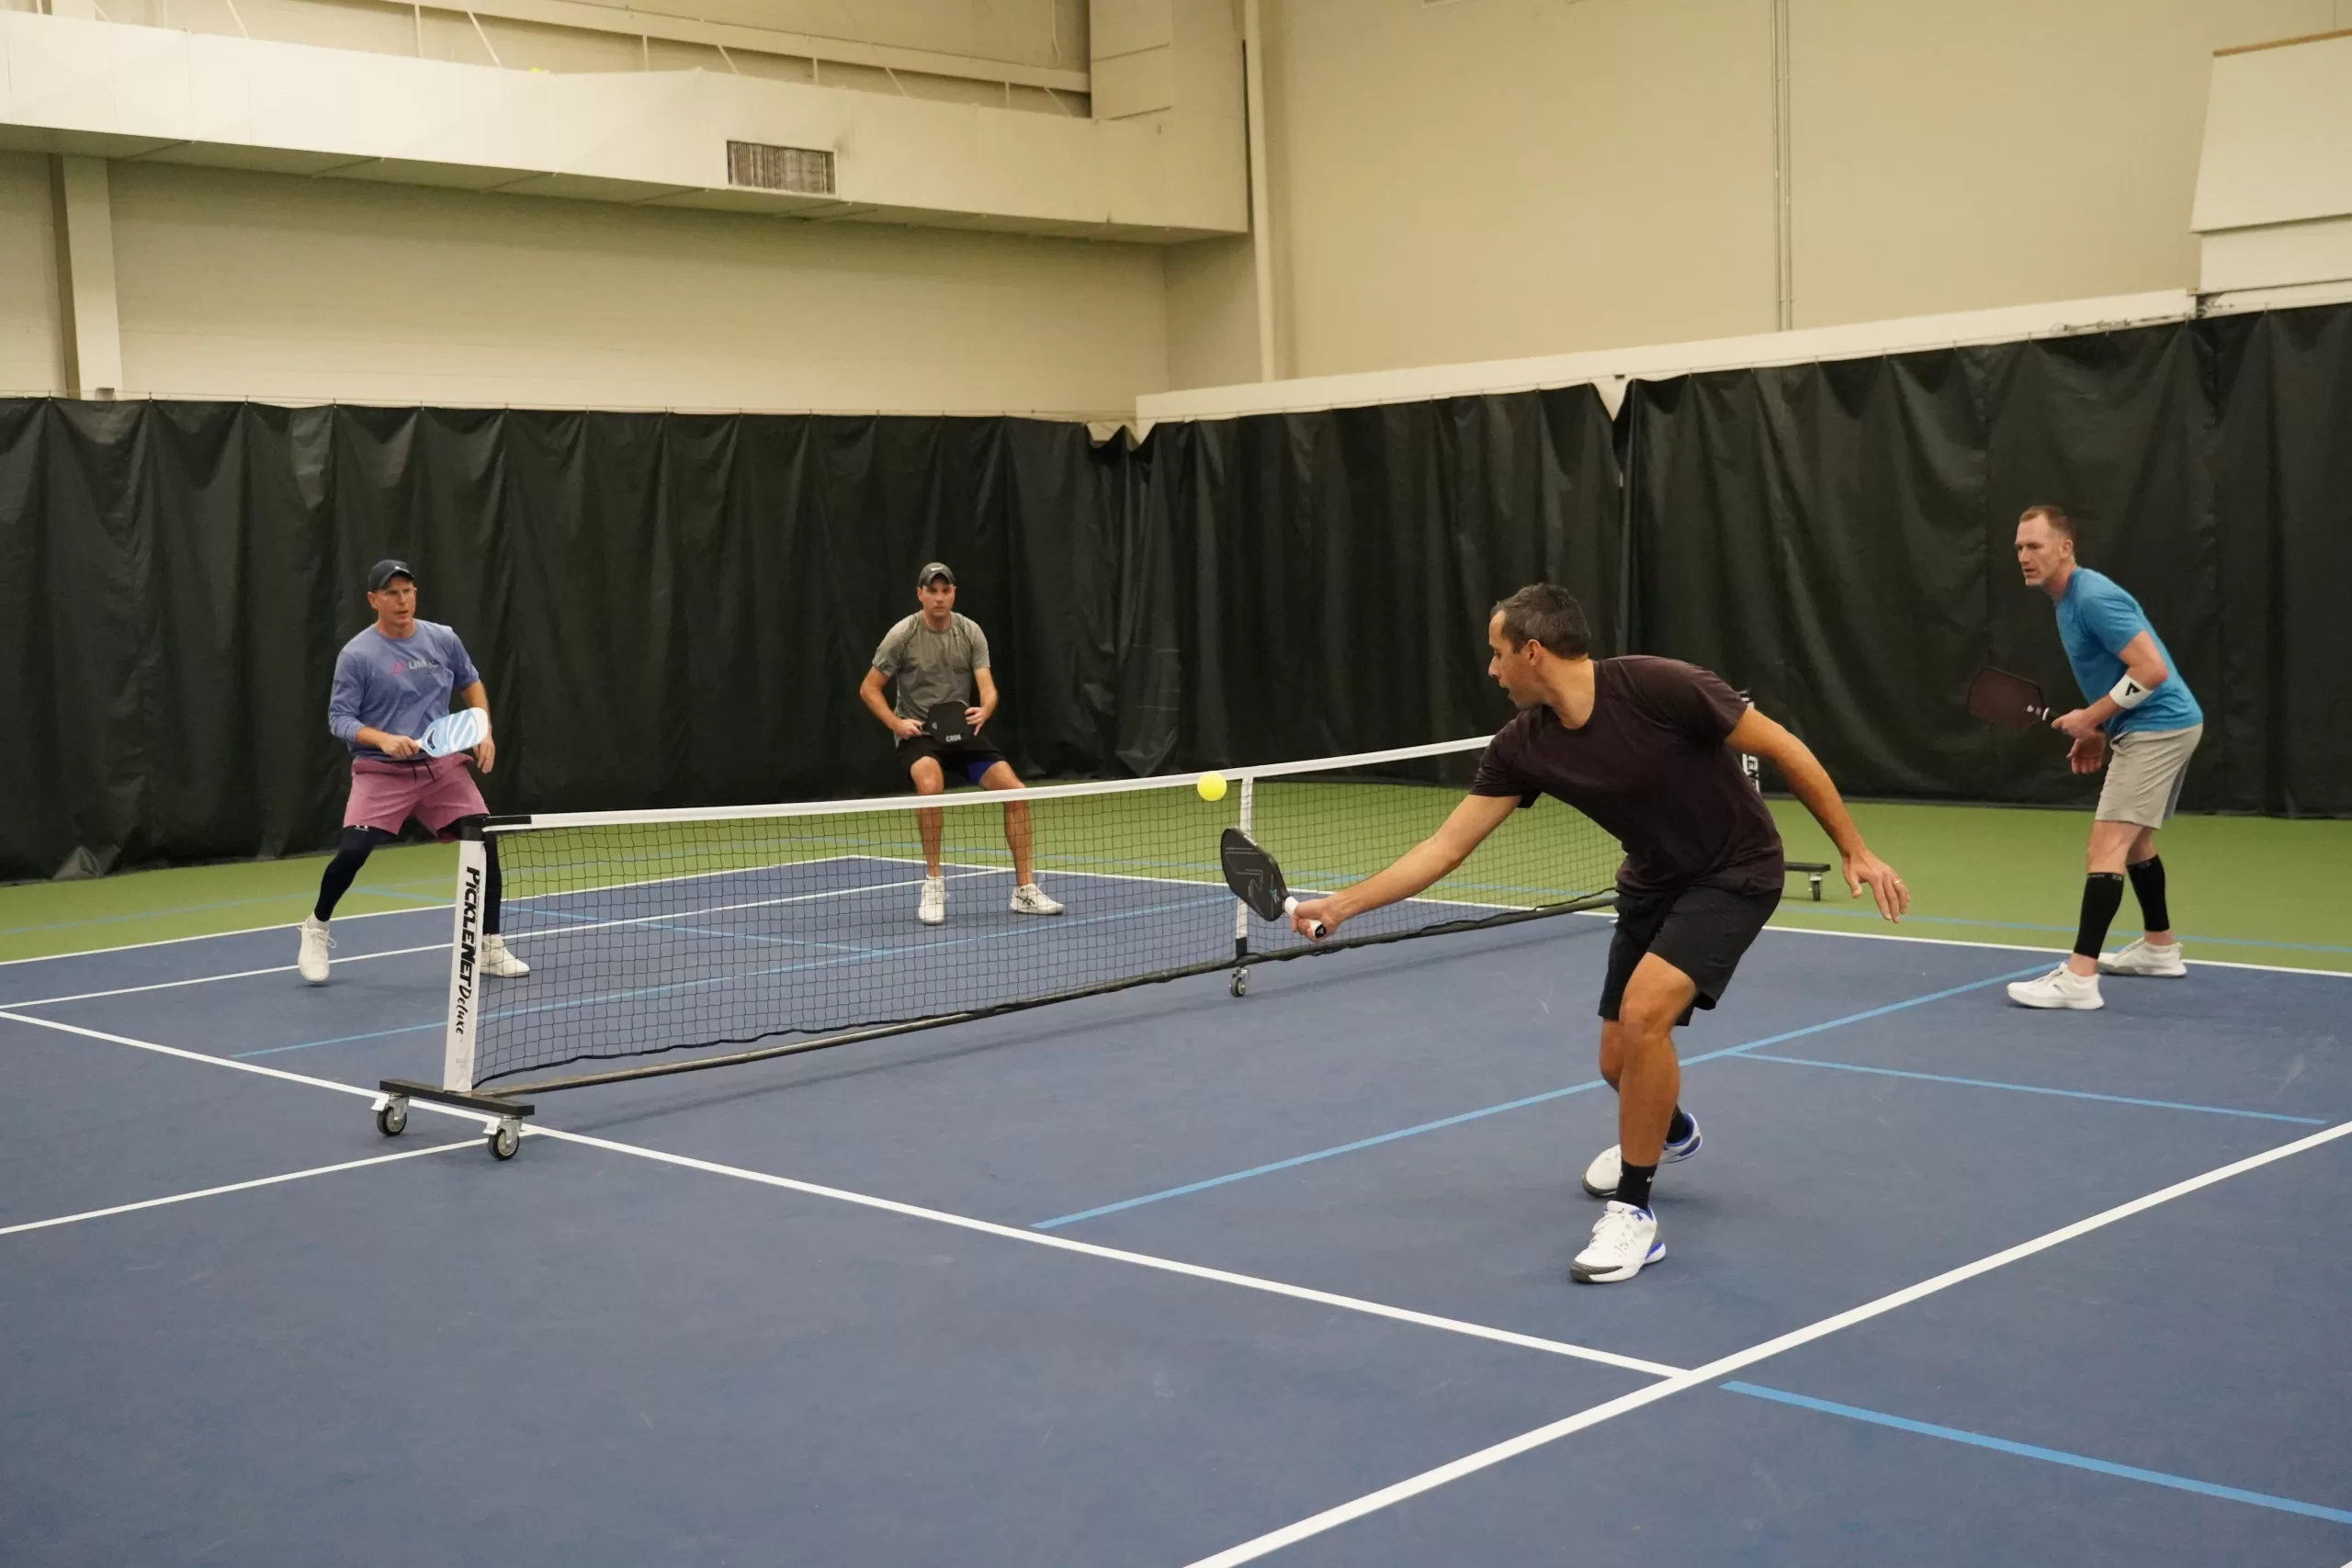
point(233, 1187)
point(1032, 1238)
point(440, 910)
point(2024, 947)
point(1117, 1255)
point(208, 979)
point(1413, 1486)
point(487, 1122)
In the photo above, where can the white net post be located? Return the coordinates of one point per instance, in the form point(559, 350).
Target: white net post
point(465, 974)
point(1241, 909)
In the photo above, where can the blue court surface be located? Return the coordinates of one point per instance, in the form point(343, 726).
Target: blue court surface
point(1166, 1278)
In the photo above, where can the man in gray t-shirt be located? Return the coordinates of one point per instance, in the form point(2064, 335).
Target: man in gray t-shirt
point(935, 658)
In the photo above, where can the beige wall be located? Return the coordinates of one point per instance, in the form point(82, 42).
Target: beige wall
point(1212, 313)
point(32, 358)
point(1498, 178)
point(270, 286)
point(1504, 178)
point(2004, 152)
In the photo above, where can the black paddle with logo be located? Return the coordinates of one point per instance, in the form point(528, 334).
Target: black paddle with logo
point(1257, 881)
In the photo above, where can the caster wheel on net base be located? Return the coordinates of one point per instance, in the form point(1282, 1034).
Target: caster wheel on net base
point(1240, 985)
point(391, 1116)
point(505, 1138)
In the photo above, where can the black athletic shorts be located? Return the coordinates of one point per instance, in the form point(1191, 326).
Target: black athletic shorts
point(1701, 930)
point(972, 758)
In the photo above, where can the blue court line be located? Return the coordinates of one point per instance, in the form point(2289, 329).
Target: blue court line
point(1792, 907)
point(2053, 1456)
point(344, 1039)
point(2038, 1088)
point(1203, 1186)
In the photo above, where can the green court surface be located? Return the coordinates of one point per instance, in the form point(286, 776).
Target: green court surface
point(2253, 890)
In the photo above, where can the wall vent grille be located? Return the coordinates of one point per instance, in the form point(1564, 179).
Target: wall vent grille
point(804, 171)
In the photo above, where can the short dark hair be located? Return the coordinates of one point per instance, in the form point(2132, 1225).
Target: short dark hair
point(1548, 614)
point(2054, 515)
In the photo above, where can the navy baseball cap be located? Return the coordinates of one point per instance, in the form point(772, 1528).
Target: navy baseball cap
point(383, 572)
point(933, 572)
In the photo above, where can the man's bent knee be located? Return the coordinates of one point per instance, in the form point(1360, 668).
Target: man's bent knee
point(1001, 776)
point(1655, 1001)
point(928, 779)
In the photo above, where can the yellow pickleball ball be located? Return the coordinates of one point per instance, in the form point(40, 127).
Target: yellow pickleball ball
point(1211, 786)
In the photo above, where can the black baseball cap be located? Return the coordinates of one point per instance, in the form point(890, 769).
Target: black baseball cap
point(383, 572)
point(935, 570)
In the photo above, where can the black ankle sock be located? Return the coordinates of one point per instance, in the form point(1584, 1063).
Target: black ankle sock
point(2148, 883)
point(1634, 1183)
point(2102, 896)
point(1678, 1130)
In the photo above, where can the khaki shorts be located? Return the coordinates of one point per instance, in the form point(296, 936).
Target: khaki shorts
point(2144, 770)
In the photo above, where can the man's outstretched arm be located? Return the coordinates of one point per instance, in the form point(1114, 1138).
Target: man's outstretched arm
point(1465, 829)
point(1761, 737)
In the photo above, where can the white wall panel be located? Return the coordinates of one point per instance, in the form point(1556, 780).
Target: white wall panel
point(1494, 179)
point(31, 359)
point(1956, 157)
point(269, 287)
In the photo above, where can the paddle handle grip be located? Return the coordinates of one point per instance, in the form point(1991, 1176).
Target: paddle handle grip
point(1314, 929)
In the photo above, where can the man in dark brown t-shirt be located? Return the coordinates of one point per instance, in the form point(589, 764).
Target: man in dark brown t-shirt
point(1649, 749)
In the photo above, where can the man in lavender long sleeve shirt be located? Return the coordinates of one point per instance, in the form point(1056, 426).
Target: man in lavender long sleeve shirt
point(391, 682)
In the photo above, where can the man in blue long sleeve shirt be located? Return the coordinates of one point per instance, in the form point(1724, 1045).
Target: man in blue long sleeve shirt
point(2140, 720)
point(391, 682)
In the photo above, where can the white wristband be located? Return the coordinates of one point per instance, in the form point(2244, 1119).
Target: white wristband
point(2128, 694)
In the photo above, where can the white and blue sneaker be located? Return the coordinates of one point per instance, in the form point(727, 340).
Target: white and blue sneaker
point(1623, 1243)
point(1601, 1175)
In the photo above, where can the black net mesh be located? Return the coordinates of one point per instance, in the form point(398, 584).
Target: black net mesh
point(647, 934)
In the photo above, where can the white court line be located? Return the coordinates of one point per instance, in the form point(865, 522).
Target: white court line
point(443, 910)
point(440, 910)
point(533, 935)
point(209, 979)
point(1118, 1254)
point(888, 1205)
point(536, 934)
point(2018, 947)
point(233, 1187)
point(1469, 1465)
point(487, 1122)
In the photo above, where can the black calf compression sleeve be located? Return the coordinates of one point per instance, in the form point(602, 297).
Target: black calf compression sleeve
point(2102, 896)
point(2148, 882)
point(357, 845)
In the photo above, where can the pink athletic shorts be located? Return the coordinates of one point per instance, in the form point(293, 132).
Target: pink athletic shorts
point(437, 791)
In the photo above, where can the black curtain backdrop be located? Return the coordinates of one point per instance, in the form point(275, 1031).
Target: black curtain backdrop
point(1837, 538)
point(667, 610)
point(676, 610)
point(1333, 571)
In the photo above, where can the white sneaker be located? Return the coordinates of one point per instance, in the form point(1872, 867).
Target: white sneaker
point(933, 907)
point(311, 961)
point(1623, 1243)
point(495, 959)
point(1030, 899)
point(1601, 1176)
point(2062, 987)
point(2141, 956)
